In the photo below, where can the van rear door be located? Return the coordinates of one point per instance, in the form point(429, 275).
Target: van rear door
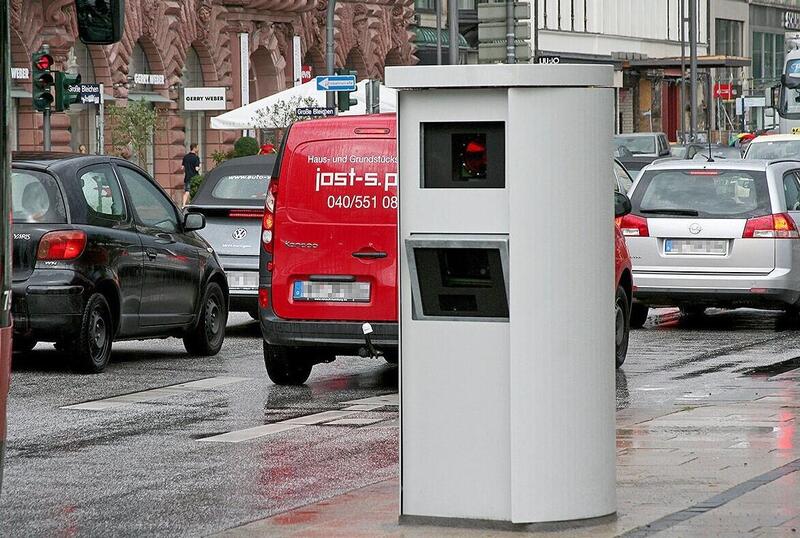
point(335, 245)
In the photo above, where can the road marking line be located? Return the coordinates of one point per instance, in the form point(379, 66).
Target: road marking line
point(251, 433)
point(363, 407)
point(353, 422)
point(386, 399)
point(336, 417)
point(153, 394)
point(316, 418)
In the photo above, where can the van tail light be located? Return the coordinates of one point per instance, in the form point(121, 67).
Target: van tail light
point(245, 213)
point(268, 221)
point(633, 226)
point(61, 245)
point(777, 226)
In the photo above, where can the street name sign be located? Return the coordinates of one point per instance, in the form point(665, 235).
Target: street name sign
point(315, 111)
point(336, 83)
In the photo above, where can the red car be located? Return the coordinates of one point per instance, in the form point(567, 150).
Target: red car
point(623, 274)
point(330, 225)
point(329, 248)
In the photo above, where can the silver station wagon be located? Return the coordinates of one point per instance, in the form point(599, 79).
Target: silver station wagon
point(720, 234)
point(232, 199)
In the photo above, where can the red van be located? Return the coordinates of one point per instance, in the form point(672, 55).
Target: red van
point(330, 225)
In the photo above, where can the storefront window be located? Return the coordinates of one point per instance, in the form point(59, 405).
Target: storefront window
point(425, 5)
point(194, 120)
point(139, 64)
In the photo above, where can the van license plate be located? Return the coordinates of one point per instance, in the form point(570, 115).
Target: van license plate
point(242, 280)
point(338, 292)
point(708, 247)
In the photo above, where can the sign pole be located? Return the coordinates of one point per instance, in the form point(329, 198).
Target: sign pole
point(330, 98)
point(101, 124)
point(46, 128)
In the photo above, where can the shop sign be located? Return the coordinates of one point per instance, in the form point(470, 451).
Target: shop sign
point(306, 74)
point(723, 91)
point(791, 20)
point(148, 78)
point(549, 60)
point(20, 73)
point(204, 99)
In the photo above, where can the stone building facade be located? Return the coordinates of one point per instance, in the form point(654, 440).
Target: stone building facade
point(195, 43)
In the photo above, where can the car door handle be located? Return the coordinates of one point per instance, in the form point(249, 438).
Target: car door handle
point(370, 254)
point(151, 253)
point(165, 238)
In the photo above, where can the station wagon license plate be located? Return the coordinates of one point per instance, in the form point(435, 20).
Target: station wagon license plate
point(708, 247)
point(242, 280)
point(341, 292)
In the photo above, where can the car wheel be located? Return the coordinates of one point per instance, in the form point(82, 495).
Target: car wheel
point(22, 344)
point(206, 337)
point(638, 315)
point(286, 366)
point(91, 350)
point(622, 325)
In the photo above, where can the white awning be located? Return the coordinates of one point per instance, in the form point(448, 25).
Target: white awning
point(245, 117)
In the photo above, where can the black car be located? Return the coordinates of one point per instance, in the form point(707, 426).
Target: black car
point(232, 198)
point(101, 253)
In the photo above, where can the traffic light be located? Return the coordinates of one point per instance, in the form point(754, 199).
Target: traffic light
point(343, 99)
point(42, 80)
point(68, 90)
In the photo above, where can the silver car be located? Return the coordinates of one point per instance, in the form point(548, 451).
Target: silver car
point(232, 199)
point(718, 233)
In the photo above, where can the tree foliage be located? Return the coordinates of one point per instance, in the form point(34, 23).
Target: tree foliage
point(282, 114)
point(133, 128)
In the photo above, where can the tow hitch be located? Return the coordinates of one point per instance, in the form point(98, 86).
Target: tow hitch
point(368, 350)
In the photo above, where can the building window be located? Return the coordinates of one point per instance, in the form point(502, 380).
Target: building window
point(767, 59)
point(425, 5)
point(728, 37)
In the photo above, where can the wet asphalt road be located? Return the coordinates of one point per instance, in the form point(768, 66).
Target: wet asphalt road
point(143, 464)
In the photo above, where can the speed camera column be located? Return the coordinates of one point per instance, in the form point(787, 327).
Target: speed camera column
point(505, 258)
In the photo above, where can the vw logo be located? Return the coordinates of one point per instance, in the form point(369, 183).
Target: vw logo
point(695, 228)
point(239, 233)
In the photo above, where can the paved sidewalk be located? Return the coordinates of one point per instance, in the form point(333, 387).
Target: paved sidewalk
point(721, 462)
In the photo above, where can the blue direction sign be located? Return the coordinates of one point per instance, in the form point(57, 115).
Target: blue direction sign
point(336, 83)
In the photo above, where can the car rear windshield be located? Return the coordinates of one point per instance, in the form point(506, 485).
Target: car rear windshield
point(36, 198)
point(636, 144)
point(241, 187)
point(779, 149)
point(702, 193)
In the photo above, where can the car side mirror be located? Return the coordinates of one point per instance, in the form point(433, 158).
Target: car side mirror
point(622, 205)
point(194, 221)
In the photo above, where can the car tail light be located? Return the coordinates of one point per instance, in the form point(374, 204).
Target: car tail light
point(245, 213)
point(263, 297)
point(269, 216)
point(778, 226)
point(633, 226)
point(61, 245)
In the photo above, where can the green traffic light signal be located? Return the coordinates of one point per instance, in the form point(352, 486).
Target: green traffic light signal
point(68, 90)
point(41, 63)
point(343, 99)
